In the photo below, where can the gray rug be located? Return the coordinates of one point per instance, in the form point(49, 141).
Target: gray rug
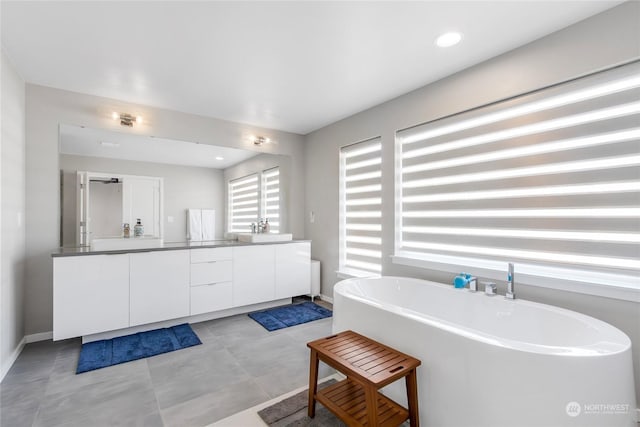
point(292, 411)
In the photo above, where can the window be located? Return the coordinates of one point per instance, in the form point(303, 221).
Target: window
point(271, 198)
point(243, 203)
point(548, 180)
point(360, 208)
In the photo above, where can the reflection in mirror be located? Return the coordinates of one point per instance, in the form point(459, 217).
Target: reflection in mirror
point(117, 184)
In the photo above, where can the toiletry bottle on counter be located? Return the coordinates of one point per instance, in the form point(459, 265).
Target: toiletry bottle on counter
point(126, 230)
point(266, 227)
point(138, 230)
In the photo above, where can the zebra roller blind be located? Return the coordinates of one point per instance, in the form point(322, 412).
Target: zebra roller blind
point(360, 208)
point(550, 179)
point(243, 203)
point(271, 198)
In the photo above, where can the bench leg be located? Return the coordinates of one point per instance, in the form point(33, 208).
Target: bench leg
point(313, 383)
point(412, 398)
point(371, 395)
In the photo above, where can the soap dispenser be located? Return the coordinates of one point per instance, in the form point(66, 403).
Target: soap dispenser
point(138, 229)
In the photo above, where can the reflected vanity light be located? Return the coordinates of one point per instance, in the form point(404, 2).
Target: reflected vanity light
point(126, 119)
point(219, 158)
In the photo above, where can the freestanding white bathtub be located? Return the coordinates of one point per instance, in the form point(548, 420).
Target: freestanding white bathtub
point(487, 361)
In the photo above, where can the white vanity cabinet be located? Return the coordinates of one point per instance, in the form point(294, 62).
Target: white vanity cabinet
point(159, 286)
point(102, 295)
point(211, 280)
point(293, 269)
point(253, 274)
point(90, 294)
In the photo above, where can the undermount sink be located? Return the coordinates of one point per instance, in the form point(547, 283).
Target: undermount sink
point(264, 237)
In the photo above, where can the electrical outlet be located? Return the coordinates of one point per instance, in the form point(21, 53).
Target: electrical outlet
point(312, 217)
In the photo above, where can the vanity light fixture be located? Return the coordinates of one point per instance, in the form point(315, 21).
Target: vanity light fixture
point(448, 39)
point(126, 119)
point(259, 140)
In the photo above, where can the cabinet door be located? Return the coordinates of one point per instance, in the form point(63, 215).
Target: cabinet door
point(253, 274)
point(293, 269)
point(90, 294)
point(159, 286)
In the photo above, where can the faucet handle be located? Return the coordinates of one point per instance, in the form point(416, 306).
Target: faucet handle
point(490, 288)
point(473, 283)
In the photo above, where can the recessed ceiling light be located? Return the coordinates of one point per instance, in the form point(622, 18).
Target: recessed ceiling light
point(219, 158)
point(448, 39)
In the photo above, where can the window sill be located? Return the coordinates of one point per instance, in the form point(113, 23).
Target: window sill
point(530, 277)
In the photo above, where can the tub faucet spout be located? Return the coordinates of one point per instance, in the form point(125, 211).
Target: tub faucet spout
point(511, 294)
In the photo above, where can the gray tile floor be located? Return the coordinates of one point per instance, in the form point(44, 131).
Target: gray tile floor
point(239, 365)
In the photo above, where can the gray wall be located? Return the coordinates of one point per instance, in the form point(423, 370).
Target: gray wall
point(47, 108)
point(184, 187)
point(258, 164)
point(12, 233)
point(606, 39)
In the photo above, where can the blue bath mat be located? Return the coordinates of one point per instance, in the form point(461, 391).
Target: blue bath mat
point(103, 353)
point(290, 315)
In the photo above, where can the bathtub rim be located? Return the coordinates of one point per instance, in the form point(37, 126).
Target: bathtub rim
point(340, 288)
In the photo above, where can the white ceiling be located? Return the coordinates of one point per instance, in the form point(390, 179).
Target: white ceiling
point(293, 66)
point(125, 146)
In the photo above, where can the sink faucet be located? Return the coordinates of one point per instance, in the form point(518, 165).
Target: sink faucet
point(510, 283)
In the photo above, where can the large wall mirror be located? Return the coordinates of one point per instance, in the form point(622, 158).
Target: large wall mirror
point(175, 190)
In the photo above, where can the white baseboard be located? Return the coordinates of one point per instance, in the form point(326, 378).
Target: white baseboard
point(326, 298)
point(9, 363)
point(41, 336)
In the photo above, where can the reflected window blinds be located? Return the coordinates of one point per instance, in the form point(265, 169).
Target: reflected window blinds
point(271, 198)
point(243, 203)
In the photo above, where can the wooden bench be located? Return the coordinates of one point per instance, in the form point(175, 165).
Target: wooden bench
point(369, 366)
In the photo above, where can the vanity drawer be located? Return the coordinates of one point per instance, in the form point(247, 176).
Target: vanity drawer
point(208, 298)
point(205, 273)
point(211, 254)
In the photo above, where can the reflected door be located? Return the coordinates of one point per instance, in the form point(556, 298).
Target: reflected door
point(141, 199)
